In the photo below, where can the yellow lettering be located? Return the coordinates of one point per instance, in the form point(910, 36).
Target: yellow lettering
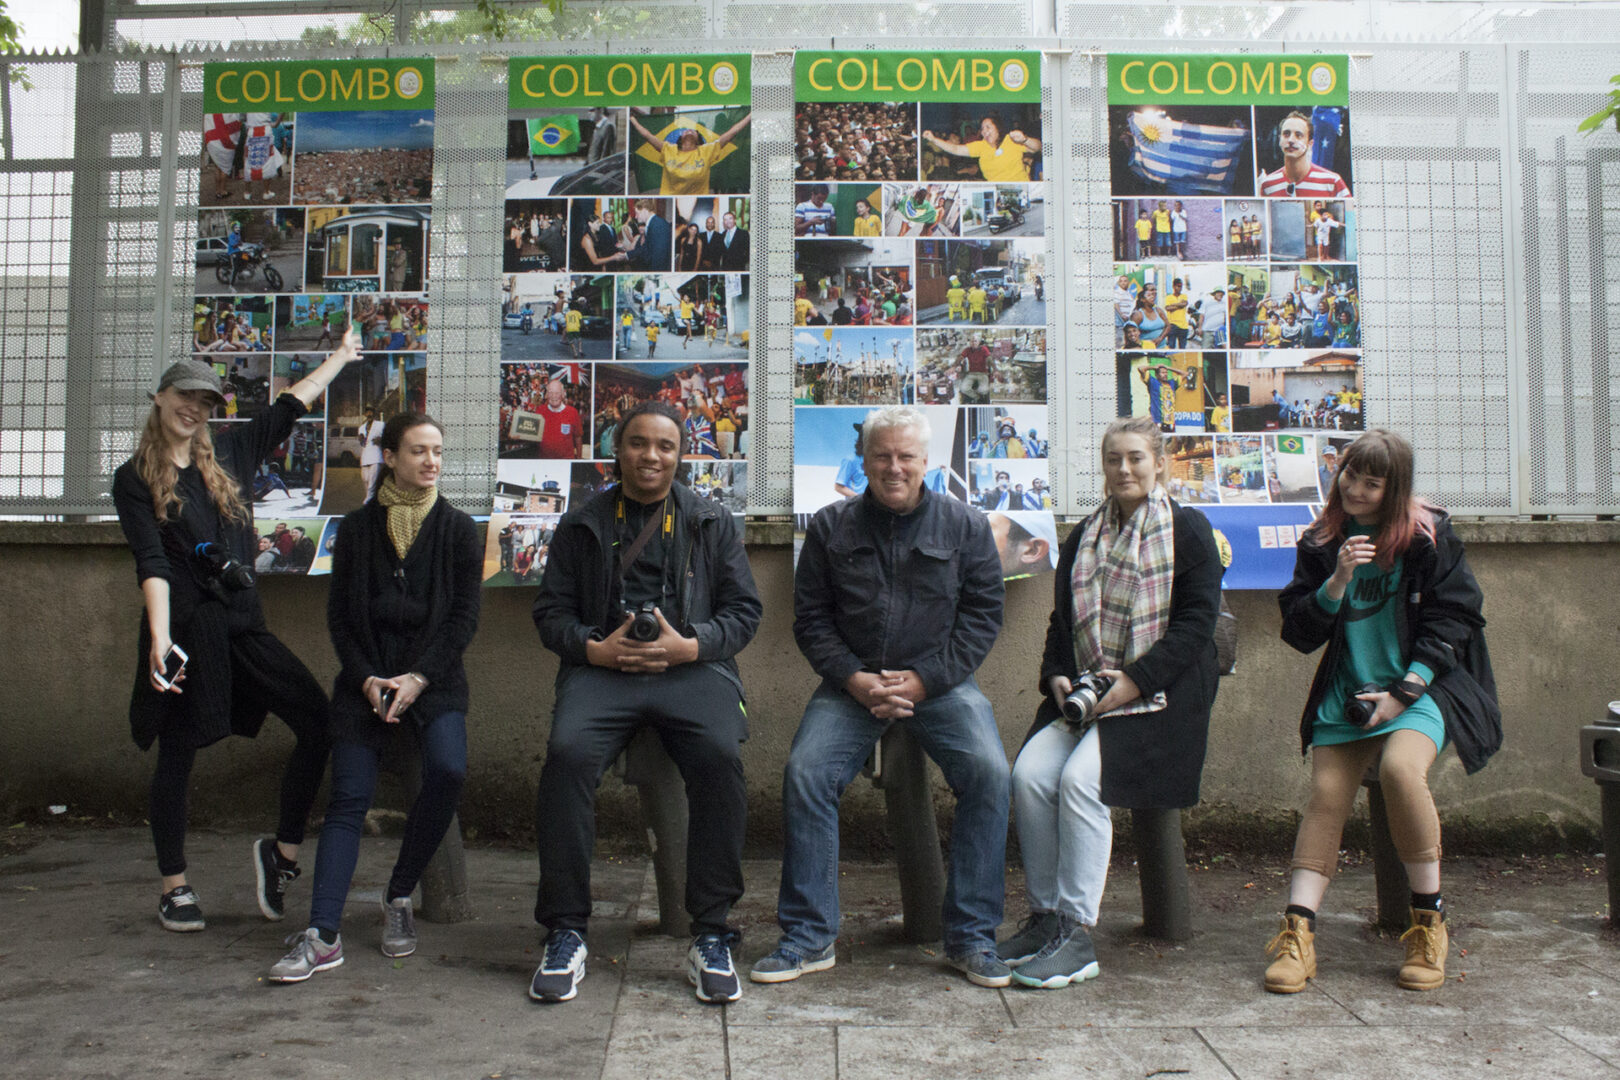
point(264, 81)
point(573, 80)
point(1261, 84)
point(613, 87)
point(953, 79)
point(529, 90)
point(900, 75)
point(277, 92)
point(340, 91)
point(1290, 81)
point(810, 76)
point(982, 77)
point(320, 85)
point(1153, 80)
point(876, 75)
point(588, 92)
point(219, 87)
point(376, 84)
point(691, 79)
point(651, 84)
point(1231, 73)
point(844, 84)
point(1186, 79)
point(1124, 76)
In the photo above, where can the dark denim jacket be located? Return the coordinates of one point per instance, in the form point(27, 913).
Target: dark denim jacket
point(877, 590)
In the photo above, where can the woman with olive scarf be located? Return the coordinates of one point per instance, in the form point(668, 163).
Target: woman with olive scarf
point(403, 608)
point(1137, 591)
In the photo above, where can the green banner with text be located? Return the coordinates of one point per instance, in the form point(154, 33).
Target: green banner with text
point(917, 76)
point(591, 81)
point(317, 85)
point(1158, 79)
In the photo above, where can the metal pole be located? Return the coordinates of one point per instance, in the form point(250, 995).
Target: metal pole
point(914, 833)
point(1161, 862)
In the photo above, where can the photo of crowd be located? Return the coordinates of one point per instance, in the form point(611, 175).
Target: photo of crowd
point(855, 141)
point(223, 324)
point(544, 410)
point(711, 399)
point(536, 233)
point(391, 323)
point(515, 547)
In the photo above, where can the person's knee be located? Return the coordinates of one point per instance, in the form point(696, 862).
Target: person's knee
point(1032, 781)
point(1404, 775)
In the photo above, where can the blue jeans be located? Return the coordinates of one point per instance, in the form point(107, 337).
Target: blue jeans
point(956, 729)
point(443, 742)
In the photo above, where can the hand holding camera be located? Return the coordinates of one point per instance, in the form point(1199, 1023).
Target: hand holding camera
point(623, 650)
point(1093, 694)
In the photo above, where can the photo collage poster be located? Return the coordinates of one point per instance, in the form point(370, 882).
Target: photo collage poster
point(314, 215)
point(625, 276)
point(1236, 299)
point(920, 267)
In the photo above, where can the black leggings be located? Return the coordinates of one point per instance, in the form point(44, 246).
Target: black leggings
point(298, 699)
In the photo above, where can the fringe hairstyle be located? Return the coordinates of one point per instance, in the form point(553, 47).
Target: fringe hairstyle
point(157, 468)
point(1145, 427)
point(1401, 516)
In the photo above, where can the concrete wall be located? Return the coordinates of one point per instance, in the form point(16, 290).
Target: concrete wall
point(69, 609)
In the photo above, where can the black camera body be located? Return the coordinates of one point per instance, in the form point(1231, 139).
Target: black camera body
point(643, 623)
point(221, 566)
point(1359, 712)
point(1080, 706)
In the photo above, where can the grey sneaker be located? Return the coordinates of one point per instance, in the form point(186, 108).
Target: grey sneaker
point(1034, 932)
point(785, 966)
point(309, 955)
point(399, 927)
point(1068, 958)
point(982, 968)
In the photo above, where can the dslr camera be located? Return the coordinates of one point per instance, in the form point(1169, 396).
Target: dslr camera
point(1359, 712)
point(221, 567)
point(643, 623)
point(1080, 706)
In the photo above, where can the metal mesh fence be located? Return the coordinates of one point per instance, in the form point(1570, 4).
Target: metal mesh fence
point(1489, 232)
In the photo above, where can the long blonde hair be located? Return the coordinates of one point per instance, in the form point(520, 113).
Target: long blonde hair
point(157, 468)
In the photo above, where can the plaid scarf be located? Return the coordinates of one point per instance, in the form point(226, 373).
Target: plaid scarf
point(1121, 586)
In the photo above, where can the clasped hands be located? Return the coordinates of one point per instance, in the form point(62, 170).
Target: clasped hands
point(620, 652)
point(887, 695)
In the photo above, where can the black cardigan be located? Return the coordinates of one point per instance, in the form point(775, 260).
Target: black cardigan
point(389, 617)
point(1440, 625)
point(1152, 760)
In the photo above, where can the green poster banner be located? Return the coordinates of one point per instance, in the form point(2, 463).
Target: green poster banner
point(540, 82)
point(1240, 79)
point(917, 76)
point(317, 85)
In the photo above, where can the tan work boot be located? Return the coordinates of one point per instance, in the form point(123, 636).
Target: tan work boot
point(1295, 950)
point(1426, 945)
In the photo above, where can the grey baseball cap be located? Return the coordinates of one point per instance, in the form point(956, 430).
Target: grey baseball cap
point(191, 375)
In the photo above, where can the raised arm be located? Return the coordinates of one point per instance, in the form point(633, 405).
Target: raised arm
point(945, 147)
point(311, 386)
point(734, 130)
point(642, 131)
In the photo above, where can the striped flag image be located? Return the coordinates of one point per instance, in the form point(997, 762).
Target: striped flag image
point(1185, 158)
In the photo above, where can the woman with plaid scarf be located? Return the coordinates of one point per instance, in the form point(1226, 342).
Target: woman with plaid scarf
point(1138, 588)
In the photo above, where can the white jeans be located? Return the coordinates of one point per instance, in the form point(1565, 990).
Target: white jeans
point(1064, 829)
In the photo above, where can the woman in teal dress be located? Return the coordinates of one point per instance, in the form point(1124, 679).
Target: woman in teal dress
point(1380, 579)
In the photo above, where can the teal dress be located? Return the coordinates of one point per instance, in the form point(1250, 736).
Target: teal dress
point(1372, 654)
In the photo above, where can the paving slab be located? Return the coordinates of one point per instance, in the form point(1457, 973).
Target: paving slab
point(869, 1053)
point(1427, 1049)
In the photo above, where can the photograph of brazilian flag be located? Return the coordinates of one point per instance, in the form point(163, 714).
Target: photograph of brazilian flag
point(710, 148)
point(565, 152)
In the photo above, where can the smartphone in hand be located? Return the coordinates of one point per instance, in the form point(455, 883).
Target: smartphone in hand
point(174, 662)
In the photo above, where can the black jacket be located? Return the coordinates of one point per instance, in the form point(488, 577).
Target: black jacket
point(389, 616)
point(1152, 760)
point(1440, 625)
point(877, 590)
point(715, 598)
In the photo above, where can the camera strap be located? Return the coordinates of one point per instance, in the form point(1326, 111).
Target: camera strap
point(664, 516)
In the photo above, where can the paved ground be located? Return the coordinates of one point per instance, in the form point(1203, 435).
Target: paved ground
point(90, 986)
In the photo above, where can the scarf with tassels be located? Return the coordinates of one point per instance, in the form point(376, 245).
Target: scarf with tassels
point(1121, 584)
point(406, 511)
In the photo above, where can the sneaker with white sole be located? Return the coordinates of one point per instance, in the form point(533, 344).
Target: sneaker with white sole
point(271, 877)
point(179, 911)
point(1069, 957)
point(783, 965)
point(1033, 933)
point(982, 968)
point(309, 955)
point(561, 969)
point(399, 927)
point(710, 971)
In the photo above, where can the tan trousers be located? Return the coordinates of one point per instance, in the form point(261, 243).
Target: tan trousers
point(1403, 759)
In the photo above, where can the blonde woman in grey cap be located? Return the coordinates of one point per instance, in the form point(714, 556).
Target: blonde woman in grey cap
point(208, 666)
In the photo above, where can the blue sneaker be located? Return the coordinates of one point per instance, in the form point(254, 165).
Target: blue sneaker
point(710, 971)
point(562, 968)
point(785, 966)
